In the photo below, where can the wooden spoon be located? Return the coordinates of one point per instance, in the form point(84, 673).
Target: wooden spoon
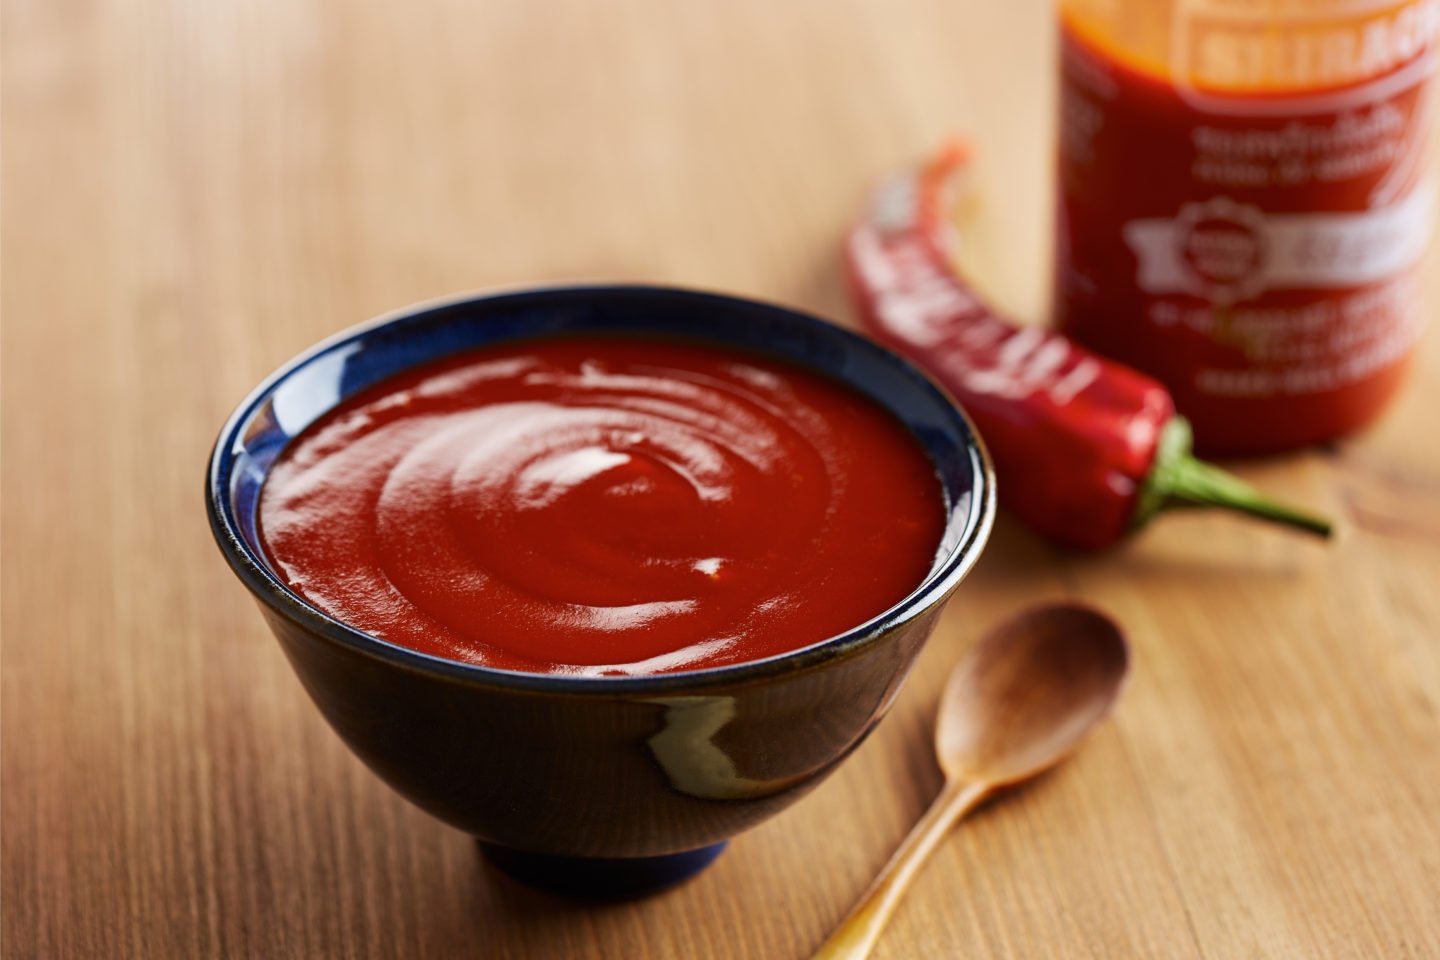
point(1019, 703)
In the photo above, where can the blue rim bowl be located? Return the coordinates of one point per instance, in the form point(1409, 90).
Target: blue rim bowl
point(596, 786)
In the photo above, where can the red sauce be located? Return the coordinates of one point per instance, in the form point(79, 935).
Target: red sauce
point(604, 506)
point(1253, 243)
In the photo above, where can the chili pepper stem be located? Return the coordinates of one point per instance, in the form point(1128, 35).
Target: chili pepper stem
point(1178, 478)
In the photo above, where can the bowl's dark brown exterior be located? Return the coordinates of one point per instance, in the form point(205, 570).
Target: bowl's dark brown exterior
point(596, 767)
point(586, 775)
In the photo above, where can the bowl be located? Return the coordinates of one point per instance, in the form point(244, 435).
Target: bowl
point(596, 786)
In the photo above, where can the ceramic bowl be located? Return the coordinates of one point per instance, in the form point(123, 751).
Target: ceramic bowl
point(596, 786)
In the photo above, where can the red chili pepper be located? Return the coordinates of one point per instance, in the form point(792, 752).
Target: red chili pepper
point(1085, 449)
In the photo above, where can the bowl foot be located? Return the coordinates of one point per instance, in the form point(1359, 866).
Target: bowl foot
point(600, 878)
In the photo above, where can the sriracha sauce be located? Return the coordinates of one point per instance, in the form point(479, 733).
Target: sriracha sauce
point(604, 506)
point(1244, 201)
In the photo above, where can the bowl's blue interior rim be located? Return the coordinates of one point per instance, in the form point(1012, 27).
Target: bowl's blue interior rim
point(317, 379)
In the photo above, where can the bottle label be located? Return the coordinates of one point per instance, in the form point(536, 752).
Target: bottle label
point(1228, 252)
point(1361, 51)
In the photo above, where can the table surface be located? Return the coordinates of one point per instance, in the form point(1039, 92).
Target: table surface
point(193, 192)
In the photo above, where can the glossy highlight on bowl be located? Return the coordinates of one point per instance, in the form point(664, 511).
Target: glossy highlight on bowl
point(605, 786)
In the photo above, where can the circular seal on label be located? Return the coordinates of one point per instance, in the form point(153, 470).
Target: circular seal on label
point(1223, 247)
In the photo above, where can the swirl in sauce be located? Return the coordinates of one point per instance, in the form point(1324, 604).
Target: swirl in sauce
point(604, 505)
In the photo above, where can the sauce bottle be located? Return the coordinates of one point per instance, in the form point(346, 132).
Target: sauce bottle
point(1244, 199)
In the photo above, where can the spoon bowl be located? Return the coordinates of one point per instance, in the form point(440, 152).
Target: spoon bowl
point(1028, 692)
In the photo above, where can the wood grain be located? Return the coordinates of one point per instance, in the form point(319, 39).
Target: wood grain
point(194, 191)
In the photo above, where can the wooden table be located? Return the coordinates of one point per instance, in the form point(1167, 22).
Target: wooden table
point(195, 191)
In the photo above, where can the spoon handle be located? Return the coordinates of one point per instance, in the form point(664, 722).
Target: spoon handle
point(856, 936)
